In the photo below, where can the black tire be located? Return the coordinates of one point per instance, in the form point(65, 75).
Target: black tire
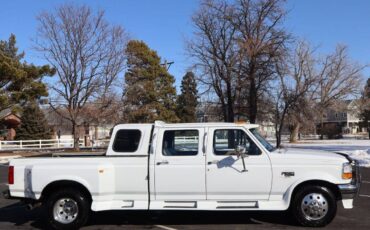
point(318, 220)
point(81, 200)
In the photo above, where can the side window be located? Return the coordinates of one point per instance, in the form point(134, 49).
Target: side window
point(226, 140)
point(127, 140)
point(180, 143)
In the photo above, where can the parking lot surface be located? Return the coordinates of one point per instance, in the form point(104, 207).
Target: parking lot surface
point(13, 215)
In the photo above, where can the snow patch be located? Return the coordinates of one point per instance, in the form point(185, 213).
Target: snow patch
point(362, 156)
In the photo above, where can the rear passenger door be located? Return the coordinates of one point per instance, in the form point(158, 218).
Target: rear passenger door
point(180, 166)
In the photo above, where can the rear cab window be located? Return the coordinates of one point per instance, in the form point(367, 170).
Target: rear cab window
point(127, 140)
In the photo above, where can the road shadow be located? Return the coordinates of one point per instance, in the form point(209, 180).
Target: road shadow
point(18, 215)
point(150, 218)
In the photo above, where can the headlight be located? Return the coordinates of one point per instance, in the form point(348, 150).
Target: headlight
point(347, 171)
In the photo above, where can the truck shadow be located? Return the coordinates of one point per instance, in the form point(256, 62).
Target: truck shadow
point(17, 215)
point(188, 218)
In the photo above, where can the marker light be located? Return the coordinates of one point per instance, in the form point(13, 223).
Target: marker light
point(347, 171)
point(11, 175)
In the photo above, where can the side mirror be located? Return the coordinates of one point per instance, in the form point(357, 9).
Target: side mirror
point(240, 150)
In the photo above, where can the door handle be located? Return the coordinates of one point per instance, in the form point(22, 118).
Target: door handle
point(212, 162)
point(162, 163)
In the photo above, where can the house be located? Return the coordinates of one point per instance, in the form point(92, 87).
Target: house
point(9, 121)
point(211, 112)
point(88, 131)
point(345, 116)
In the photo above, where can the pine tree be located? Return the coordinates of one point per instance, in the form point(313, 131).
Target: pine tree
point(33, 124)
point(187, 101)
point(149, 92)
point(20, 82)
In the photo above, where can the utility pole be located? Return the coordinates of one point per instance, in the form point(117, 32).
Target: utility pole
point(167, 65)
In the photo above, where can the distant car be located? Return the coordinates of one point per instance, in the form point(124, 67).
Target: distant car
point(193, 166)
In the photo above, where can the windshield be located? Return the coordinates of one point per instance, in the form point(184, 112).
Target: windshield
point(262, 140)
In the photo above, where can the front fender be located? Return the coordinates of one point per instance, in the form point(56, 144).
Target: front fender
point(313, 177)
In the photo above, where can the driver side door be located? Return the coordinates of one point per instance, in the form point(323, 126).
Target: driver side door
point(225, 175)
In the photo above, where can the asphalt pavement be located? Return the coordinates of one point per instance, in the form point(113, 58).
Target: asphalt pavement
point(13, 215)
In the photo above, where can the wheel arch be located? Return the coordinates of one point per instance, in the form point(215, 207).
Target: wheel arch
point(55, 185)
point(331, 186)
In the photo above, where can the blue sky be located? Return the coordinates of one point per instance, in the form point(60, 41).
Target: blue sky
point(165, 25)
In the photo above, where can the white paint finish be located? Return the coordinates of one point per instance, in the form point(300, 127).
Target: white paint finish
point(120, 180)
point(182, 177)
point(143, 145)
point(107, 178)
point(306, 165)
point(215, 205)
point(226, 181)
point(119, 205)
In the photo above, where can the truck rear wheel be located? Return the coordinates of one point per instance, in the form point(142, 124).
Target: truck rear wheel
point(67, 209)
point(314, 206)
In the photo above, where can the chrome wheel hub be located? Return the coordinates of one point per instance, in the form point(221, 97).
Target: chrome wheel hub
point(314, 206)
point(65, 210)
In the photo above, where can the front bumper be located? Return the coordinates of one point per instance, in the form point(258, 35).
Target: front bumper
point(348, 191)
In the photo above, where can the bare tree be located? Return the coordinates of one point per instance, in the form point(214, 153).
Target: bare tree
point(339, 77)
point(216, 54)
point(87, 53)
point(236, 45)
point(365, 107)
point(262, 42)
point(310, 85)
point(297, 79)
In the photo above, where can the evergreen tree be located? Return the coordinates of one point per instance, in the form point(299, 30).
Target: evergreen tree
point(149, 92)
point(34, 125)
point(188, 99)
point(19, 81)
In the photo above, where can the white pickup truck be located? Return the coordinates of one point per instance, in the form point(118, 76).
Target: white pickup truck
point(192, 166)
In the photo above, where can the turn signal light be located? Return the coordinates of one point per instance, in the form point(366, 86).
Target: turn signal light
point(347, 171)
point(347, 176)
point(11, 175)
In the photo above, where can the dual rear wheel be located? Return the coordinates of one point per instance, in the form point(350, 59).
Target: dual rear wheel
point(67, 209)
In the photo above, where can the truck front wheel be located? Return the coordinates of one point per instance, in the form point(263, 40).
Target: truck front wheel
point(314, 206)
point(67, 209)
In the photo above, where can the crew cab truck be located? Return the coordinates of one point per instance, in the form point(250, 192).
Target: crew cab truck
point(192, 166)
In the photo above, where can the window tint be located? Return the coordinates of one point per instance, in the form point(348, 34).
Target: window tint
point(180, 143)
point(226, 140)
point(127, 140)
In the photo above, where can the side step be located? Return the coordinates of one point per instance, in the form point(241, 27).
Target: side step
point(236, 204)
point(180, 204)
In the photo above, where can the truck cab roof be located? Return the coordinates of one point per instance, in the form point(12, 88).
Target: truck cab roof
point(161, 124)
